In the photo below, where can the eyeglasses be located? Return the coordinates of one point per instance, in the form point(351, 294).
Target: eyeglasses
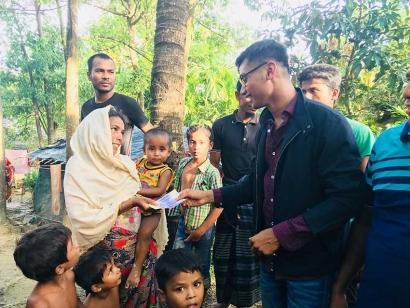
point(243, 78)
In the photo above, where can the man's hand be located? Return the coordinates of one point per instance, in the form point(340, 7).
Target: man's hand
point(194, 236)
point(338, 300)
point(264, 243)
point(196, 197)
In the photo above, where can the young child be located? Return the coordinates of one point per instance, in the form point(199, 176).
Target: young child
point(179, 278)
point(97, 274)
point(155, 177)
point(196, 225)
point(47, 255)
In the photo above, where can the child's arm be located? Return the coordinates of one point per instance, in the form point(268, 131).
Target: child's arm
point(155, 192)
point(147, 227)
point(195, 235)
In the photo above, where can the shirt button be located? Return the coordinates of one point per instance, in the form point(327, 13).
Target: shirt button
point(220, 203)
point(268, 130)
point(271, 200)
point(271, 223)
point(273, 153)
point(244, 139)
point(272, 176)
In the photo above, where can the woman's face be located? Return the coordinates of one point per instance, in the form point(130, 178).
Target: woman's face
point(117, 131)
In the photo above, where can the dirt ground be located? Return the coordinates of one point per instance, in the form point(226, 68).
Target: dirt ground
point(14, 287)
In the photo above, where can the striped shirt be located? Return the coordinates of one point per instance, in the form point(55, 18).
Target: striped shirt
point(207, 177)
point(387, 273)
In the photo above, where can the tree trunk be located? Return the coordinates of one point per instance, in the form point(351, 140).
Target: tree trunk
point(34, 100)
point(3, 184)
point(168, 72)
point(72, 106)
point(60, 19)
point(141, 100)
point(49, 107)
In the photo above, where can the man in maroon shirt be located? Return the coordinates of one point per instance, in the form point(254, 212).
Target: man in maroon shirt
point(304, 182)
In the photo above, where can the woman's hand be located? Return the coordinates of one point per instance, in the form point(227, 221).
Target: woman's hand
point(143, 202)
point(133, 278)
point(194, 235)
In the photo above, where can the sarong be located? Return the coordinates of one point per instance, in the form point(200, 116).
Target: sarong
point(236, 267)
point(121, 244)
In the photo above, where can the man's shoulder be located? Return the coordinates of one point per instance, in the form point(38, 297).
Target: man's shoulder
point(322, 114)
point(392, 132)
point(223, 121)
point(88, 103)
point(358, 126)
point(122, 97)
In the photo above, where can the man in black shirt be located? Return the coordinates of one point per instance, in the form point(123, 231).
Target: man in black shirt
point(101, 73)
point(236, 267)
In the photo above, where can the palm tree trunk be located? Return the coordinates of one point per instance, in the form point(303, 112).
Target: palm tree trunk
point(72, 106)
point(168, 72)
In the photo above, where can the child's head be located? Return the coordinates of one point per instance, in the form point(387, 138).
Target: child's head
point(96, 271)
point(200, 140)
point(157, 146)
point(46, 252)
point(179, 278)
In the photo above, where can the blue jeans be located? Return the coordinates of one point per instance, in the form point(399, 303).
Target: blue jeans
point(202, 249)
point(295, 294)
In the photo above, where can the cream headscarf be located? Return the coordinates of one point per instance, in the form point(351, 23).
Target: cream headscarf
point(96, 181)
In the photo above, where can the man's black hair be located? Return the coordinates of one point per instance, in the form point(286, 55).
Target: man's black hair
point(173, 262)
point(39, 252)
point(90, 61)
point(157, 132)
point(265, 50)
point(90, 268)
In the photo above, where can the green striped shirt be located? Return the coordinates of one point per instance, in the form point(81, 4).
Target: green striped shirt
point(207, 177)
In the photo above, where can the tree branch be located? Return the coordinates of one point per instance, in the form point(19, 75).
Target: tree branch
point(108, 10)
point(126, 44)
point(213, 31)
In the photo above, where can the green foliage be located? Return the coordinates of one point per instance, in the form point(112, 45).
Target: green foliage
point(368, 40)
point(34, 68)
point(30, 180)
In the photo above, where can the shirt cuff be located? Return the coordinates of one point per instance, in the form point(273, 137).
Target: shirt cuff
point(217, 198)
point(292, 234)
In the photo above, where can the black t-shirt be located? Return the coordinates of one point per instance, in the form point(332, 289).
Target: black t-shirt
point(236, 142)
point(133, 115)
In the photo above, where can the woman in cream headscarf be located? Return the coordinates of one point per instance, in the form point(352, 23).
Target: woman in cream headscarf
point(100, 188)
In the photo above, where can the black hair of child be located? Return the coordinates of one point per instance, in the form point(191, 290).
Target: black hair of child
point(156, 131)
point(90, 268)
point(200, 127)
point(39, 252)
point(173, 262)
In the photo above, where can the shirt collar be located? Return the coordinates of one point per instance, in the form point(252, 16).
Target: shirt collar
point(236, 119)
point(405, 134)
point(289, 110)
point(203, 167)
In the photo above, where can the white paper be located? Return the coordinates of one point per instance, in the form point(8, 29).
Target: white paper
point(168, 201)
